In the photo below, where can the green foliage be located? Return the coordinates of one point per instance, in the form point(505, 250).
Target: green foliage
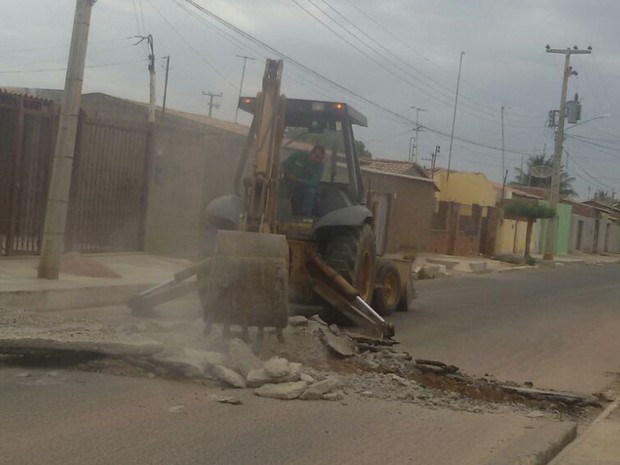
point(606, 198)
point(530, 211)
point(525, 178)
point(361, 150)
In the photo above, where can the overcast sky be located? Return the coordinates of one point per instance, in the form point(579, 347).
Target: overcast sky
point(393, 54)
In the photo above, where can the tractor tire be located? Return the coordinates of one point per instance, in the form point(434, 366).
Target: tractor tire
point(388, 292)
point(351, 252)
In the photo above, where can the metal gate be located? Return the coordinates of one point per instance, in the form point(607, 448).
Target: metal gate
point(107, 203)
point(27, 134)
point(109, 185)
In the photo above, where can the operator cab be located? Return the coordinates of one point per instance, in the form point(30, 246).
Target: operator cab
point(330, 124)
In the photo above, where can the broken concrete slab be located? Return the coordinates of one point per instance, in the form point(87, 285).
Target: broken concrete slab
point(284, 391)
point(340, 345)
point(257, 378)
point(241, 358)
point(298, 320)
point(277, 367)
point(137, 346)
point(30, 331)
point(193, 362)
point(228, 376)
point(316, 391)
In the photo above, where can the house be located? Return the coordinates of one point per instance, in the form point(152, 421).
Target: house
point(511, 233)
point(134, 187)
point(595, 228)
point(401, 199)
point(465, 214)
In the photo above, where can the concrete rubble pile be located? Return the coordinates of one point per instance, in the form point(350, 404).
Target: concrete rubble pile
point(316, 361)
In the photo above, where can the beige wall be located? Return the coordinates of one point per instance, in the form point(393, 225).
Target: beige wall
point(511, 237)
point(190, 168)
point(465, 188)
point(410, 213)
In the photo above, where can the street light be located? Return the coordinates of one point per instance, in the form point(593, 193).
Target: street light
point(606, 115)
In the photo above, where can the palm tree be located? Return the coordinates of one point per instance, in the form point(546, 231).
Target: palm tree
point(525, 178)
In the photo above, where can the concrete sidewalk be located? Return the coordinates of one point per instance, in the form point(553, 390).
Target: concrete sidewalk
point(20, 287)
point(598, 444)
point(436, 264)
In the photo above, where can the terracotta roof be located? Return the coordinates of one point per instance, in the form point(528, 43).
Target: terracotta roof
point(393, 166)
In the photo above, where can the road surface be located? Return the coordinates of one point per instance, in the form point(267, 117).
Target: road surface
point(557, 328)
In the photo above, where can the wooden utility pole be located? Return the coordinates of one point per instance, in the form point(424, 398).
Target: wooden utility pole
point(163, 110)
point(58, 195)
point(211, 96)
point(554, 191)
point(245, 60)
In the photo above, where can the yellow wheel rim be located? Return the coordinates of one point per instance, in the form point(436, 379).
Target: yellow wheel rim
point(390, 289)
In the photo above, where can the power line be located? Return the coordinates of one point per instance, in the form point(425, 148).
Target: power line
point(310, 71)
point(211, 65)
point(450, 73)
point(593, 179)
point(65, 68)
point(444, 99)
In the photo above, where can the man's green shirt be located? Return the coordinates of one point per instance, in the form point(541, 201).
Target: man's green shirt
point(300, 165)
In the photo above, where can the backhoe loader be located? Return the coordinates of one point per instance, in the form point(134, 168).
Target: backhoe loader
point(261, 257)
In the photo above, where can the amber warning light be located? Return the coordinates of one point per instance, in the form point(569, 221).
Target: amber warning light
point(339, 106)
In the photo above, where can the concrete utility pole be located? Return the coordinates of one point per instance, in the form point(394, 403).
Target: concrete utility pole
point(456, 101)
point(149, 39)
point(211, 96)
point(163, 109)
point(58, 195)
point(245, 59)
point(417, 129)
point(554, 191)
point(503, 155)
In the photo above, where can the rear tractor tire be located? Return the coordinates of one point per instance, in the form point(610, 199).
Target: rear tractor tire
point(351, 252)
point(387, 296)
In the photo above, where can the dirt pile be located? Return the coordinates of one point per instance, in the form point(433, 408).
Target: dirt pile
point(77, 264)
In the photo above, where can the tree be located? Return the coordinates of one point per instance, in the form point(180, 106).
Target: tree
point(525, 177)
point(530, 212)
point(361, 150)
point(605, 198)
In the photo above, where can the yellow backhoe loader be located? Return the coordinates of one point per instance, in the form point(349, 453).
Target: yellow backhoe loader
point(262, 257)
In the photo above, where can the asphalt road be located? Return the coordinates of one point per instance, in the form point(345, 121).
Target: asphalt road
point(557, 328)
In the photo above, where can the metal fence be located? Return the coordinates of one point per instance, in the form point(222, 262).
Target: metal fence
point(27, 134)
point(107, 203)
point(109, 184)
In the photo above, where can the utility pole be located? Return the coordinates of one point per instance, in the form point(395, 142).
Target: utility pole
point(211, 96)
point(411, 146)
point(503, 155)
point(163, 110)
point(245, 59)
point(554, 191)
point(456, 100)
point(417, 129)
point(58, 195)
point(433, 160)
point(152, 102)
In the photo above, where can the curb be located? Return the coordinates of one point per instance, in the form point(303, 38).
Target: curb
point(586, 434)
point(46, 300)
point(537, 447)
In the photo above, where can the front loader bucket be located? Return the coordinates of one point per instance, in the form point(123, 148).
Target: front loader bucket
point(248, 281)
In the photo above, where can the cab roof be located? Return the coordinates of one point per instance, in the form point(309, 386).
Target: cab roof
point(302, 113)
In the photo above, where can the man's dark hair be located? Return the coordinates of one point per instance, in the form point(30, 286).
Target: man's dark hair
point(318, 147)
